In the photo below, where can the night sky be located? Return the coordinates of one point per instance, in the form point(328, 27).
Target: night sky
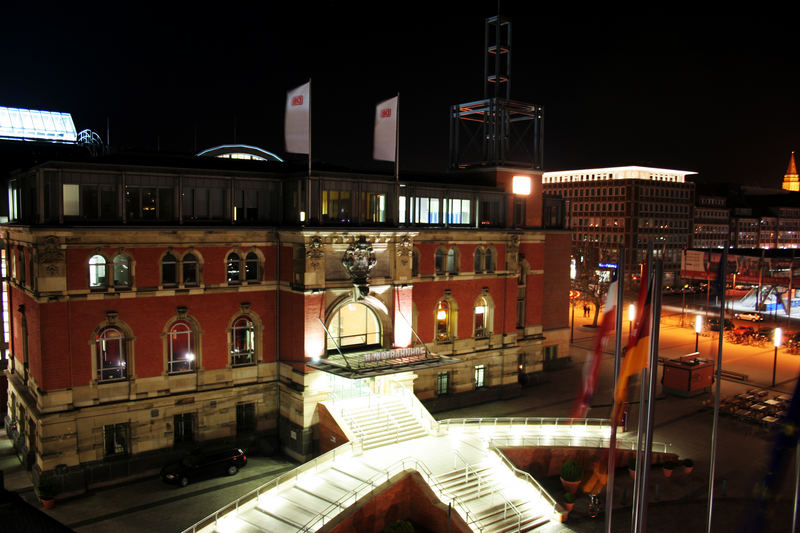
point(719, 96)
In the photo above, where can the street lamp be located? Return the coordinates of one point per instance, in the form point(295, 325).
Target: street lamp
point(777, 339)
point(631, 318)
point(698, 327)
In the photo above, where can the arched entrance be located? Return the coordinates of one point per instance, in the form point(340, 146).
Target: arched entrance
point(354, 327)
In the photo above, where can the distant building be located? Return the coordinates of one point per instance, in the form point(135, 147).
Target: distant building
point(711, 222)
point(628, 206)
point(791, 181)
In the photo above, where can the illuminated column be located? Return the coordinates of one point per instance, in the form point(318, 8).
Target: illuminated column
point(314, 333)
point(402, 315)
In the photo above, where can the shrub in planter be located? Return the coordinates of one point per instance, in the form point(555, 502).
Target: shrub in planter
point(569, 501)
point(571, 475)
point(688, 466)
point(668, 467)
point(47, 493)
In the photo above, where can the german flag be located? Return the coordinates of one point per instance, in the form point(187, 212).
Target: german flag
point(637, 355)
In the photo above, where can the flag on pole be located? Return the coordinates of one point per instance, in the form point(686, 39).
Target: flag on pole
point(637, 355)
point(592, 367)
point(385, 142)
point(296, 124)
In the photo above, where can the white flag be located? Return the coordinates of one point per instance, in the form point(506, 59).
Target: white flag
point(296, 127)
point(385, 130)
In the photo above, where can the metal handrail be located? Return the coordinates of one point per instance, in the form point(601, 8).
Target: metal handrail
point(525, 475)
point(571, 441)
point(526, 421)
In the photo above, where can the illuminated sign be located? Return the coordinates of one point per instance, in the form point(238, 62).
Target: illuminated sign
point(607, 265)
point(397, 353)
point(18, 123)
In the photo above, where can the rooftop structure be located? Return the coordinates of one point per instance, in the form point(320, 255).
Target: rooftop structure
point(32, 124)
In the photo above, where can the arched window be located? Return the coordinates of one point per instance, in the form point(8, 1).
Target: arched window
point(354, 326)
point(243, 337)
point(112, 362)
point(97, 271)
point(440, 261)
point(234, 268)
point(122, 271)
point(489, 261)
point(452, 261)
point(478, 259)
point(169, 270)
point(482, 325)
point(252, 267)
point(444, 321)
point(190, 270)
point(180, 348)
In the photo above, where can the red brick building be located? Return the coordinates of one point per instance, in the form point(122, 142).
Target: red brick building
point(157, 304)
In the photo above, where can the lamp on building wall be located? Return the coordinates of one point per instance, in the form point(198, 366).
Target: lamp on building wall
point(777, 340)
point(631, 318)
point(521, 185)
point(698, 327)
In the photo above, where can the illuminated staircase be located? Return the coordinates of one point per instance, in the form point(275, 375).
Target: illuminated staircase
point(387, 420)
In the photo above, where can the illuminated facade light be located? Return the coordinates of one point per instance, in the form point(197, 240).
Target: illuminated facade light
point(521, 185)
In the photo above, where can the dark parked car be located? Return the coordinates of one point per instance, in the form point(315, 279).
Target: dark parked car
point(713, 324)
point(203, 464)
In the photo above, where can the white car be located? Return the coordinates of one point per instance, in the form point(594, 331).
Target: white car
point(752, 317)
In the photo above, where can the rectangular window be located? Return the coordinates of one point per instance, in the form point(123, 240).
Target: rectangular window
point(245, 418)
point(550, 352)
point(480, 375)
point(115, 439)
point(71, 200)
point(402, 210)
point(443, 383)
point(373, 207)
point(183, 427)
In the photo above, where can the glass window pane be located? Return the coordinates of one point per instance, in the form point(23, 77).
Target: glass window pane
point(122, 271)
point(97, 271)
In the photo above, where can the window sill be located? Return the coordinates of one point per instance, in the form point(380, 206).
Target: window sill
point(111, 381)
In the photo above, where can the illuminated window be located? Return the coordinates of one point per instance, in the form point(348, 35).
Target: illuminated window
point(112, 363)
point(336, 206)
point(482, 317)
point(97, 271)
point(354, 326)
point(480, 376)
point(373, 207)
point(242, 342)
point(122, 271)
point(169, 270)
point(234, 268)
point(180, 346)
point(444, 321)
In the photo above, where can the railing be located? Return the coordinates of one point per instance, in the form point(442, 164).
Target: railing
point(559, 422)
point(571, 441)
point(289, 478)
point(525, 476)
point(369, 485)
point(418, 410)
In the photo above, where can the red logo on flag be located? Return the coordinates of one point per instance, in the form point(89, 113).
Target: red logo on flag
point(297, 100)
point(386, 112)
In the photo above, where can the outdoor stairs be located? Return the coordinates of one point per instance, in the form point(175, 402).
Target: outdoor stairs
point(478, 489)
point(294, 507)
point(387, 422)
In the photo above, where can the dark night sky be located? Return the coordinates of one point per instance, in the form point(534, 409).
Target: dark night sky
point(715, 95)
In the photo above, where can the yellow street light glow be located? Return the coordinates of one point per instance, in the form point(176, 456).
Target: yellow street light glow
point(631, 313)
point(521, 185)
point(441, 315)
point(698, 324)
point(778, 338)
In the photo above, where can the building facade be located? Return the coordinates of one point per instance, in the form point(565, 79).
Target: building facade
point(630, 207)
point(154, 305)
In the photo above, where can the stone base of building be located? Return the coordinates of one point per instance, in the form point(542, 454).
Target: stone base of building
point(446, 402)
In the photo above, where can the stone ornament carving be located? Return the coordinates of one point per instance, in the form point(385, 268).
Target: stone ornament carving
point(50, 250)
point(404, 250)
point(358, 260)
point(314, 252)
point(512, 252)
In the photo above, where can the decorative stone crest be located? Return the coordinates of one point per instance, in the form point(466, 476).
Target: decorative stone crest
point(358, 260)
point(314, 252)
point(50, 251)
point(512, 253)
point(404, 250)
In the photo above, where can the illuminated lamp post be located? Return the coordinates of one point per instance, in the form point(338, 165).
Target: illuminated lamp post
point(777, 339)
point(631, 318)
point(698, 327)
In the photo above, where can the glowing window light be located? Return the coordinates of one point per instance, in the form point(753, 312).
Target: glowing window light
point(521, 185)
point(19, 123)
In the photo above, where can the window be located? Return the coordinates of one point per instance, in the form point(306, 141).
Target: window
point(550, 352)
point(111, 357)
point(190, 270)
point(122, 271)
point(354, 326)
point(373, 207)
point(481, 317)
point(415, 262)
point(480, 376)
point(97, 272)
point(442, 383)
point(242, 342)
point(490, 260)
point(21, 252)
point(180, 348)
point(444, 321)
point(440, 261)
point(252, 267)
point(183, 427)
point(479, 257)
point(234, 268)
point(336, 206)
point(169, 270)
point(245, 418)
point(115, 439)
point(452, 261)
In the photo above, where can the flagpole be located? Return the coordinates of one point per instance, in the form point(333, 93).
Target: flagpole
point(721, 275)
point(397, 141)
point(308, 182)
point(612, 440)
point(651, 396)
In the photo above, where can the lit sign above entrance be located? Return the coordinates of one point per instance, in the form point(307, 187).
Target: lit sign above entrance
point(396, 353)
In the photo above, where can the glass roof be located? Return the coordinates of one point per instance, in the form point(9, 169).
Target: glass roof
point(19, 123)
